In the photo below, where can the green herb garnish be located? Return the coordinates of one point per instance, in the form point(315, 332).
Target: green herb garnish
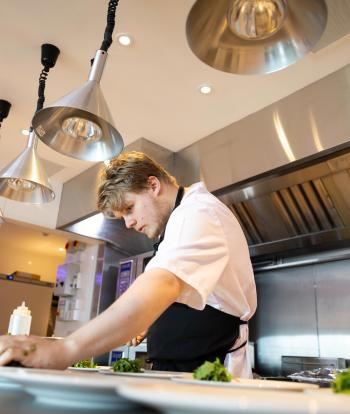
point(341, 383)
point(86, 363)
point(212, 371)
point(127, 365)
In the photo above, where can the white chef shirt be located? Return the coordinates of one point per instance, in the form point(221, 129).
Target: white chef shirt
point(205, 246)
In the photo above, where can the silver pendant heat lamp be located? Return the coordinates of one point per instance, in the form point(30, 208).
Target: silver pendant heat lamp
point(79, 124)
point(24, 179)
point(254, 36)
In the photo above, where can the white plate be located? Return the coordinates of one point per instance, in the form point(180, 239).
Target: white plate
point(68, 388)
point(176, 398)
point(145, 374)
point(96, 369)
point(7, 383)
point(252, 383)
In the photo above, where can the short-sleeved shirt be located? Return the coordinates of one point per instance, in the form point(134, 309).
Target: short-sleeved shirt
point(205, 246)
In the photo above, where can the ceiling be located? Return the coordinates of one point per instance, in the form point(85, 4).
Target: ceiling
point(151, 86)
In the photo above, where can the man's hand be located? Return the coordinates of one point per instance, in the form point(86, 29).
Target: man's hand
point(36, 352)
point(137, 340)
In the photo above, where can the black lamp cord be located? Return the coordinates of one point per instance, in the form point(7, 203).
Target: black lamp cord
point(107, 40)
point(49, 55)
point(42, 83)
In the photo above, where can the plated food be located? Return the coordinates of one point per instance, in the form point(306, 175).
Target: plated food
point(341, 383)
point(127, 365)
point(85, 363)
point(212, 371)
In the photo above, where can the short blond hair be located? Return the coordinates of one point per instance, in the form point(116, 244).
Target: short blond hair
point(128, 172)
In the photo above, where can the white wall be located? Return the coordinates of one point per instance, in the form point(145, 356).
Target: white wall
point(12, 259)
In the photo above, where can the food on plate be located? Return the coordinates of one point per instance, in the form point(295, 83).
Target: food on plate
point(341, 383)
point(85, 363)
point(212, 371)
point(127, 365)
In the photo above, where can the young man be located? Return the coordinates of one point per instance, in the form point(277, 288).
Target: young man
point(195, 295)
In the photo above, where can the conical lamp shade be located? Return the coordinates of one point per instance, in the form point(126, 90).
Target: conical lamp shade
point(87, 103)
point(25, 179)
point(79, 124)
point(214, 29)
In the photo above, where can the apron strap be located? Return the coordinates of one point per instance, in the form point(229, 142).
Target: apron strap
point(239, 347)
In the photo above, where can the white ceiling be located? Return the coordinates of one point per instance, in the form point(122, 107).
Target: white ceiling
point(151, 86)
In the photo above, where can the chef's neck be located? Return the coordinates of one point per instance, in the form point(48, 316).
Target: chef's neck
point(169, 197)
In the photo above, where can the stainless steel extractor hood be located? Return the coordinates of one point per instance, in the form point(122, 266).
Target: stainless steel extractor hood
point(303, 209)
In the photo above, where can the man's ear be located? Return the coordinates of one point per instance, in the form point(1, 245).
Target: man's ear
point(154, 184)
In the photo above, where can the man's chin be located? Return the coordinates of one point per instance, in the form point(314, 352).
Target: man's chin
point(153, 235)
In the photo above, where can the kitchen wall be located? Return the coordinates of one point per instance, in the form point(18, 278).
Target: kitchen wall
point(12, 259)
point(302, 311)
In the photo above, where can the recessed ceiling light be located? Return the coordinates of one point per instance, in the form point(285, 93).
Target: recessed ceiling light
point(124, 39)
point(205, 89)
point(25, 132)
point(61, 249)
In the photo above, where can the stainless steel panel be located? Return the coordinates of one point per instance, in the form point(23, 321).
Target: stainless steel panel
point(337, 186)
point(279, 200)
point(305, 208)
point(295, 215)
point(298, 208)
point(285, 322)
point(127, 241)
point(307, 243)
point(261, 210)
point(316, 206)
point(328, 204)
point(333, 304)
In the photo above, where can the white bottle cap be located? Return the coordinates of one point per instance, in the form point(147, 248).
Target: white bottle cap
point(22, 310)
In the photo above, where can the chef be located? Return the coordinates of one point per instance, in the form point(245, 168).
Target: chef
point(196, 295)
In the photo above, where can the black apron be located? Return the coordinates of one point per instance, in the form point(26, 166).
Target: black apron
point(182, 338)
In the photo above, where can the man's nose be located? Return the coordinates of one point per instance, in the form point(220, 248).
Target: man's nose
point(129, 222)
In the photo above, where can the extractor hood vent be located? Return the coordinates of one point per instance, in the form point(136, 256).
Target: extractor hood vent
point(305, 208)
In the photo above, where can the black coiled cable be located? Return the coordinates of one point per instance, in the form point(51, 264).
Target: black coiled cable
point(107, 40)
point(42, 83)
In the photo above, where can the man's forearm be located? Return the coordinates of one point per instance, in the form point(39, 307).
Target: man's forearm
point(147, 298)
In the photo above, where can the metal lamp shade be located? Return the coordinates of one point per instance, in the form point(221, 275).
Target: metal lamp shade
point(214, 40)
point(88, 103)
point(25, 179)
point(79, 124)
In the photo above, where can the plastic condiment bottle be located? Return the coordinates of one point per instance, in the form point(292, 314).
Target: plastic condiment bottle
point(20, 321)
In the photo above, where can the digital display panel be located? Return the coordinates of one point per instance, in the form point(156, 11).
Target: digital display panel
point(124, 277)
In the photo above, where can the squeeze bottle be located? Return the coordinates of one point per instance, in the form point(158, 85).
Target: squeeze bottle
point(20, 321)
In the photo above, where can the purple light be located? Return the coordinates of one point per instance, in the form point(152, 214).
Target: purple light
point(98, 279)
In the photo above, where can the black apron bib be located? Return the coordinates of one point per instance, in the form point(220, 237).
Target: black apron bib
point(182, 338)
